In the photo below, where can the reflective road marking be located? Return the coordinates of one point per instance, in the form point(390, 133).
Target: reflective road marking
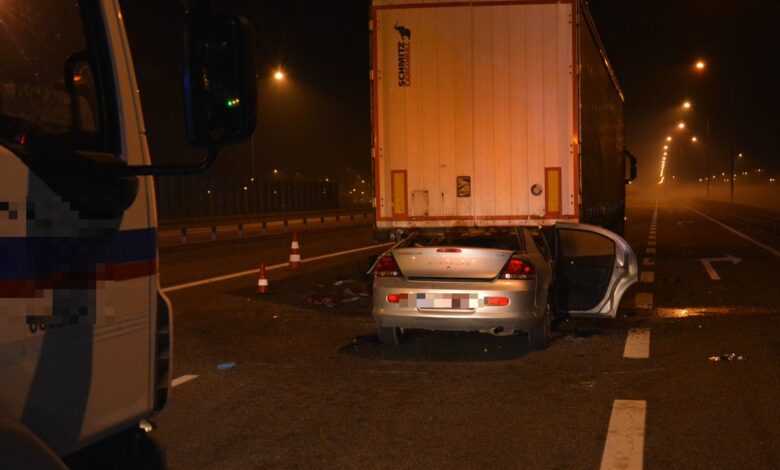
point(625, 444)
point(643, 300)
point(269, 268)
point(183, 379)
point(637, 344)
point(647, 276)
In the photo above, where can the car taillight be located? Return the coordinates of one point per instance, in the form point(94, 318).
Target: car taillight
point(386, 267)
point(496, 301)
point(393, 298)
point(517, 268)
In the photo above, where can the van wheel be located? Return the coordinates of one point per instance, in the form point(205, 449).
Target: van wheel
point(539, 337)
point(390, 335)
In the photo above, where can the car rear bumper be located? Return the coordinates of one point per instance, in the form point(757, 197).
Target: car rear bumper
point(523, 312)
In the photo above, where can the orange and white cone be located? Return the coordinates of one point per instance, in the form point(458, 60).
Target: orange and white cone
point(295, 252)
point(262, 281)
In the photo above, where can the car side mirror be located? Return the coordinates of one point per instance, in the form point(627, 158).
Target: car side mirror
point(219, 81)
point(631, 167)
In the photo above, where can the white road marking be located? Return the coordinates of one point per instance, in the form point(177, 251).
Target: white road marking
point(183, 379)
point(651, 237)
point(648, 262)
point(637, 344)
point(768, 248)
point(650, 250)
point(625, 444)
point(647, 276)
point(707, 262)
point(650, 242)
point(268, 268)
point(643, 300)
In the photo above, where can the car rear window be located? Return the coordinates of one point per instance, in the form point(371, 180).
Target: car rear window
point(502, 238)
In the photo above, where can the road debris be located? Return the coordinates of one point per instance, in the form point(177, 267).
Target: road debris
point(728, 358)
point(344, 291)
point(226, 365)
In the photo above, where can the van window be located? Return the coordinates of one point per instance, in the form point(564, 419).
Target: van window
point(51, 94)
point(498, 238)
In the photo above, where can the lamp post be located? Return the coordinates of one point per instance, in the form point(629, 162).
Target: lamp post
point(700, 67)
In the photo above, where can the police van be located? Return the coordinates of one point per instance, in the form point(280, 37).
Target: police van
point(86, 335)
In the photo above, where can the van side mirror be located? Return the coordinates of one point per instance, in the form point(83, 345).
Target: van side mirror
point(631, 167)
point(219, 80)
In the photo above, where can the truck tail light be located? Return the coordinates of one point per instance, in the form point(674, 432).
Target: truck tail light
point(518, 268)
point(386, 267)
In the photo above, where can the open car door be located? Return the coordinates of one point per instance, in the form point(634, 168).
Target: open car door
point(593, 269)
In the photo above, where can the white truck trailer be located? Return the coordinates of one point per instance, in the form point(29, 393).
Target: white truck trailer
point(494, 112)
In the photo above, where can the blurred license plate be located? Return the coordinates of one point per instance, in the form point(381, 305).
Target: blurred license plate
point(443, 301)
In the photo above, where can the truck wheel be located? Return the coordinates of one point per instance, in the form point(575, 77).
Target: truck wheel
point(390, 335)
point(539, 337)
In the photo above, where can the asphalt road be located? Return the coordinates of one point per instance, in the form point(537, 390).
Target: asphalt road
point(313, 388)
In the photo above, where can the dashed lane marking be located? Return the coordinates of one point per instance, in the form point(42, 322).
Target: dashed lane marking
point(650, 250)
point(648, 262)
point(624, 448)
point(768, 248)
point(650, 242)
point(647, 276)
point(643, 300)
point(637, 344)
point(183, 379)
point(268, 268)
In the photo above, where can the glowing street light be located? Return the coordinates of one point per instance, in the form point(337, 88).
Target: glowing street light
point(687, 104)
point(668, 138)
point(279, 75)
point(681, 125)
point(666, 147)
point(700, 65)
point(694, 139)
point(740, 155)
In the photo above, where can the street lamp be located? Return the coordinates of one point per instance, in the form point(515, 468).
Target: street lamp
point(687, 104)
point(668, 138)
point(700, 65)
point(681, 125)
point(279, 75)
point(694, 139)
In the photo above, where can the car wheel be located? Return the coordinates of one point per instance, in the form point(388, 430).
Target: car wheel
point(539, 337)
point(390, 335)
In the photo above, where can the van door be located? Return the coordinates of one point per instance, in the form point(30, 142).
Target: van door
point(78, 252)
point(593, 269)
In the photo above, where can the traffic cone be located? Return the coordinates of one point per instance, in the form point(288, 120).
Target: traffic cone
point(262, 281)
point(295, 253)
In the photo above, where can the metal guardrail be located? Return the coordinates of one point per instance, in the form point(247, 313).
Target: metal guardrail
point(184, 227)
point(765, 219)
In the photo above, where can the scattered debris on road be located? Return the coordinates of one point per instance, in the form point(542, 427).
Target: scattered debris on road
point(226, 365)
point(344, 291)
point(728, 358)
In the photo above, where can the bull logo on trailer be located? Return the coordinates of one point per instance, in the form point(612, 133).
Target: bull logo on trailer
point(404, 55)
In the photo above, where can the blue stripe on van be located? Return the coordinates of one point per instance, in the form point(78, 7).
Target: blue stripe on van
point(28, 258)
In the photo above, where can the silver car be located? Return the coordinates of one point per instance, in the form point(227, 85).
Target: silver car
point(499, 280)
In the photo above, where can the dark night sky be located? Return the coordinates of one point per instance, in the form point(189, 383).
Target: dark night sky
point(317, 122)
